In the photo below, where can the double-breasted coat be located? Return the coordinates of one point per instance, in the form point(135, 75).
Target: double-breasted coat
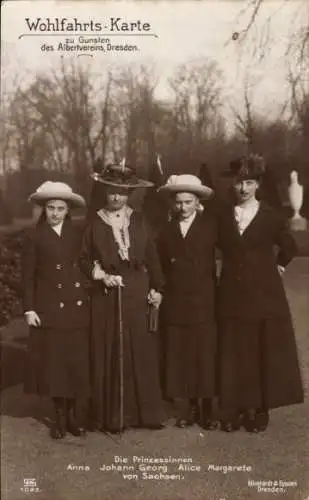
point(56, 289)
point(258, 362)
point(188, 309)
point(142, 400)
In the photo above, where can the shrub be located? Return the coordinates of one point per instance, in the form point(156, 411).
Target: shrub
point(10, 276)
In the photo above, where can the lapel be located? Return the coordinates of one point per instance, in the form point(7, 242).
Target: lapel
point(134, 232)
point(194, 230)
point(175, 234)
point(253, 229)
point(257, 223)
point(179, 244)
point(50, 243)
point(107, 246)
point(69, 241)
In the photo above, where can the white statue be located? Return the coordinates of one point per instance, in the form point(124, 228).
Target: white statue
point(296, 195)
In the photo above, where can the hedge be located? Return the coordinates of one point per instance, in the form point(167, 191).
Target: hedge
point(10, 276)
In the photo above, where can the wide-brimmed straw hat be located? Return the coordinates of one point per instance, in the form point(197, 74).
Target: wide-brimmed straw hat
point(186, 183)
point(122, 176)
point(246, 167)
point(56, 191)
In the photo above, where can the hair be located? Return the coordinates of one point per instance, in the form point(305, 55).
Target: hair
point(120, 189)
point(248, 167)
point(173, 194)
point(240, 178)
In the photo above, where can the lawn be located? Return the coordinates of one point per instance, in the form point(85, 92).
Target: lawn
point(280, 455)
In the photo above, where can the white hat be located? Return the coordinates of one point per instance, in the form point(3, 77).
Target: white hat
point(186, 183)
point(56, 191)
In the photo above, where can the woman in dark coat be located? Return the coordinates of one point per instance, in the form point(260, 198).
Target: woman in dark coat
point(187, 251)
point(120, 257)
point(258, 362)
point(56, 306)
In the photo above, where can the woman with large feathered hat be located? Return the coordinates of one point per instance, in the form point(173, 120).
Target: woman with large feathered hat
point(120, 257)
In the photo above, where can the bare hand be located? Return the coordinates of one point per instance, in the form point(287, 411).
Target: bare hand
point(281, 270)
point(111, 280)
point(97, 272)
point(154, 298)
point(32, 318)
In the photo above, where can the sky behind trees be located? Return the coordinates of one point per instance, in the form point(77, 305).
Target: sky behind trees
point(186, 30)
point(201, 96)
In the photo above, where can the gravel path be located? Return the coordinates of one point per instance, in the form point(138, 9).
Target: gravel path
point(281, 454)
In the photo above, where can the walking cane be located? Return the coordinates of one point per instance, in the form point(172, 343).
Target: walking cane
point(120, 325)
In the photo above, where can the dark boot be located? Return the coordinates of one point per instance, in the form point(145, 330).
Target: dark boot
point(256, 420)
point(190, 415)
point(231, 421)
point(91, 424)
point(58, 429)
point(207, 421)
point(73, 426)
point(262, 419)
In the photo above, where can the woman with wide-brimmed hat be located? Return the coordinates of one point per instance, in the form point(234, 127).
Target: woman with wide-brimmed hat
point(120, 257)
point(187, 250)
point(56, 306)
point(258, 363)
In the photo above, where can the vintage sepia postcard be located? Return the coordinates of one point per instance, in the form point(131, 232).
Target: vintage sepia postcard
point(154, 249)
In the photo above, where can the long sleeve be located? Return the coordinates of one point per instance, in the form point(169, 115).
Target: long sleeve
point(29, 264)
point(286, 244)
point(159, 242)
point(217, 267)
point(153, 263)
point(86, 258)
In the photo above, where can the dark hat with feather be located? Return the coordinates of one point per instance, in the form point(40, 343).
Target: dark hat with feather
point(246, 167)
point(120, 175)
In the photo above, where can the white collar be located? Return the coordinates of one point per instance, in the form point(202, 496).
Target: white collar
point(118, 213)
point(248, 207)
point(189, 220)
point(58, 228)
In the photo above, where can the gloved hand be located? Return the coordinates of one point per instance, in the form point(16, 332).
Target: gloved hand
point(32, 318)
point(154, 298)
point(109, 280)
point(281, 270)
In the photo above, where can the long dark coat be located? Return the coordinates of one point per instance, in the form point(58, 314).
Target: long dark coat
point(188, 309)
point(258, 363)
point(142, 394)
point(56, 289)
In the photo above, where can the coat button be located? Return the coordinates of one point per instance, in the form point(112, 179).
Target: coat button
point(79, 302)
point(58, 266)
point(77, 284)
point(61, 305)
point(59, 285)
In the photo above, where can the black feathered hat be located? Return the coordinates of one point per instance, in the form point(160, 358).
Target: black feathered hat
point(121, 175)
point(246, 167)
